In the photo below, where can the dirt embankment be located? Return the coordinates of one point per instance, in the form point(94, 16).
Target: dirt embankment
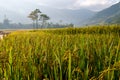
point(2, 34)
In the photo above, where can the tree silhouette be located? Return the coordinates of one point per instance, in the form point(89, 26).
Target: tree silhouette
point(34, 15)
point(43, 18)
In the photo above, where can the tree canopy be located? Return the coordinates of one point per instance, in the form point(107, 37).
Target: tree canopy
point(37, 16)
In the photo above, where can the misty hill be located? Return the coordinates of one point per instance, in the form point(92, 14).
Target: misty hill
point(110, 15)
point(70, 16)
point(57, 15)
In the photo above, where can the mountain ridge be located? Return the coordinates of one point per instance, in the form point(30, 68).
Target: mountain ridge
point(107, 16)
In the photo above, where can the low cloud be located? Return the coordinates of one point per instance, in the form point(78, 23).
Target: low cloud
point(77, 4)
point(95, 5)
point(91, 2)
point(62, 4)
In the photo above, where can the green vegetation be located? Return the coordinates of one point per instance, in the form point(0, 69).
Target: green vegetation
point(62, 54)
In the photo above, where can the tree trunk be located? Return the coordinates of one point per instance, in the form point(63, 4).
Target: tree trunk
point(36, 24)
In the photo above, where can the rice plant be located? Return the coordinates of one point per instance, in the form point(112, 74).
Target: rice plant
point(91, 53)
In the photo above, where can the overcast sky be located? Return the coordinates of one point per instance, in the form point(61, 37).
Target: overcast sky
point(95, 5)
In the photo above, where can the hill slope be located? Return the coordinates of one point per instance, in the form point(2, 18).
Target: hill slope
point(110, 15)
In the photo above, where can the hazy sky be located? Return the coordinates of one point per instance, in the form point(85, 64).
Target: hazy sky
point(70, 4)
point(20, 7)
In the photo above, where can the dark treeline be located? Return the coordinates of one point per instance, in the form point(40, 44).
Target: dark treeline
point(31, 26)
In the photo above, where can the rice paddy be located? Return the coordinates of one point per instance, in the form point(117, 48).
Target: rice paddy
point(91, 53)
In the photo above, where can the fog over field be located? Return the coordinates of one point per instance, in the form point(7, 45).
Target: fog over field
point(65, 10)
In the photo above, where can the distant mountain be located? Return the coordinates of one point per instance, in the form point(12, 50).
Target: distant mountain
point(77, 17)
point(110, 15)
point(70, 16)
point(13, 16)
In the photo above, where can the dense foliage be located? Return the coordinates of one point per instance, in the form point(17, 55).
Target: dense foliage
point(61, 54)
